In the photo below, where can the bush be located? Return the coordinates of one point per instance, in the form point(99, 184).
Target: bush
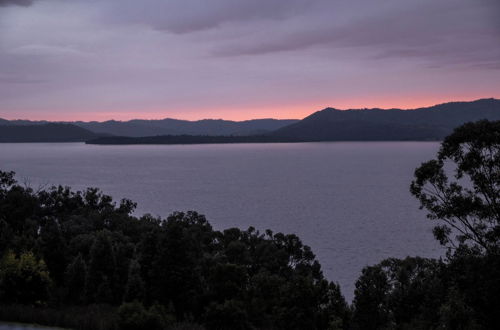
point(229, 315)
point(23, 279)
point(134, 316)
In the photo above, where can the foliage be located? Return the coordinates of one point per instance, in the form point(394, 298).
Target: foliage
point(23, 279)
point(65, 254)
point(83, 249)
point(461, 189)
point(134, 316)
point(399, 294)
point(135, 285)
point(75, 277)
point(469, 202)
point(91, 317)
point(418, 293)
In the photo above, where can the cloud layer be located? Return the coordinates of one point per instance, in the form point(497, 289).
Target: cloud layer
point(241, 59)
point(16, 2)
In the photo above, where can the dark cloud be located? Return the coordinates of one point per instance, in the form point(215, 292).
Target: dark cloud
point(196, 56)
point(16, 79)
point(450, 32)
point(24, 3)
point(186, 16)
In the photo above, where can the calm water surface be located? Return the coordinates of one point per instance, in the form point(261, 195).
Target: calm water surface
point(349, 201)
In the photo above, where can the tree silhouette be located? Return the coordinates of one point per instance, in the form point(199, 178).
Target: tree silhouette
point(461, 188)
point(135, 285)
point(75, 278)
point(101, 270)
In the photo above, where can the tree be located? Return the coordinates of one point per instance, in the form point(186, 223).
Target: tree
point(101, 270)
point(336, 311)
point(370, 301)
point(17, 206)
point(164, 270)
point(134, 290)
point(461, 188)
point(228, 281)
point(52, 246)
point(23, 279)
point(134, 316)
point(399, 293)
point(229, 315)
point(6, 181)
point(75, 278)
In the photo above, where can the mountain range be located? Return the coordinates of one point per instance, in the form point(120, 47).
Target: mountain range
point(48, 132)
point(429, 123)
point(141, 127)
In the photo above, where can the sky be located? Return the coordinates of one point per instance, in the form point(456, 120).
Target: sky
point(241, 59)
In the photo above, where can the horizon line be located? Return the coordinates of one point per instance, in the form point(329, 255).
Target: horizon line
point(250, 119)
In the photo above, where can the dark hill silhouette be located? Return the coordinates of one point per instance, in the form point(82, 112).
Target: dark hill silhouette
point(53, 132)
point(139, 127)
point(431, 123)
point(24, 122)
point(142, 127)
point(189, 139)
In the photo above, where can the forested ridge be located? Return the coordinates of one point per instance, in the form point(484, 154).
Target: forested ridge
point(63, 248)
point(46, 132)
point(423, 124)
point(79, 259)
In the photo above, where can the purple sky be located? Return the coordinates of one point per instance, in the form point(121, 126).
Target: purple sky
point(241, 59)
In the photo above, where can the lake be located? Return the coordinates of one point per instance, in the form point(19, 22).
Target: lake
point(349, 201)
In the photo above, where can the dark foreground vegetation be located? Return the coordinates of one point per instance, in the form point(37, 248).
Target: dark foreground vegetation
point(80, 260)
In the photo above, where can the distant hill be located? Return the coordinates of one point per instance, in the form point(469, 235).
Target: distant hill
point(18, 122)
point(189, 139)
point(140, 127)
point(431, 123)
point(137, 127)
point(52, 132)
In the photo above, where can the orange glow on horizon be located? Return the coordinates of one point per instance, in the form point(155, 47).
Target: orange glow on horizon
point(294, 111)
